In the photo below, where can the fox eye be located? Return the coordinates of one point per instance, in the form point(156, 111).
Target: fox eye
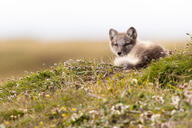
point(126, 44)
point(115, 44)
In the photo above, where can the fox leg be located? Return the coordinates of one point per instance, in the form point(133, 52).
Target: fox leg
point(132, 62)
point(125, 62)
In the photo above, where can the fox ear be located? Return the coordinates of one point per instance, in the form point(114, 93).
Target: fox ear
point(131, 32)
point(112, 33)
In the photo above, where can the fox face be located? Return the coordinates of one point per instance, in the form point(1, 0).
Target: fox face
point(122, 43)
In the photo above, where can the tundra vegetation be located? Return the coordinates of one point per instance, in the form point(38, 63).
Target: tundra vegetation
point(93, 93)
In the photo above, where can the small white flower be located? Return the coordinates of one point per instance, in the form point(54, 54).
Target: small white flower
point(93, 112)
point(141, 126)
point(175, 101)
point(115, 127)
point(158, 99)
point(119, 109)
point(134, 81)
point(79, 60)
point(146, 116)
point(173, 112)
point(65, 63)
point(181, 110)
point(63, 74)
point(76, 116)
point(155, 117)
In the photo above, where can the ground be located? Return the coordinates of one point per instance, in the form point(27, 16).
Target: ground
point(94, 93)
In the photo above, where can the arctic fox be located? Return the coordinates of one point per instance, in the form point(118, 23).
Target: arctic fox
point(132, 53)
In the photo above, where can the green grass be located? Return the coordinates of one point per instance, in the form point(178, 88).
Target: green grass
point(82, 93)
point(171, 70)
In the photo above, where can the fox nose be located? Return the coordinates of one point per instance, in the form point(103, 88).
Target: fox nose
point(119, 53)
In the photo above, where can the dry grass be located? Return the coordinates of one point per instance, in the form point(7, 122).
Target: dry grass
point(18, 56)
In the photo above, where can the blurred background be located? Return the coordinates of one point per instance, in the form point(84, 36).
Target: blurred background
point(35, 34)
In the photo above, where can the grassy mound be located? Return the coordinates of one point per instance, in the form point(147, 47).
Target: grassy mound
point(94, 94)
point(171, 70)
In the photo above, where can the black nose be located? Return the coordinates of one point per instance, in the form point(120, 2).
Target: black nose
point(119, 53)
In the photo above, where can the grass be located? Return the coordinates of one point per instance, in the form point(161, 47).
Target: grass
point(171, 70)
point(92, 93)
point(18, 56)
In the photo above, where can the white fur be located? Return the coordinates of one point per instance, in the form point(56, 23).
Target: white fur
point(131, 58)
point(112, 48)
point(119, 61)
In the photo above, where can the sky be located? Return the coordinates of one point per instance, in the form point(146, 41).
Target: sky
point(92, 19)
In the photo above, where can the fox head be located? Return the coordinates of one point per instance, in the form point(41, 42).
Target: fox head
point(122, 43)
